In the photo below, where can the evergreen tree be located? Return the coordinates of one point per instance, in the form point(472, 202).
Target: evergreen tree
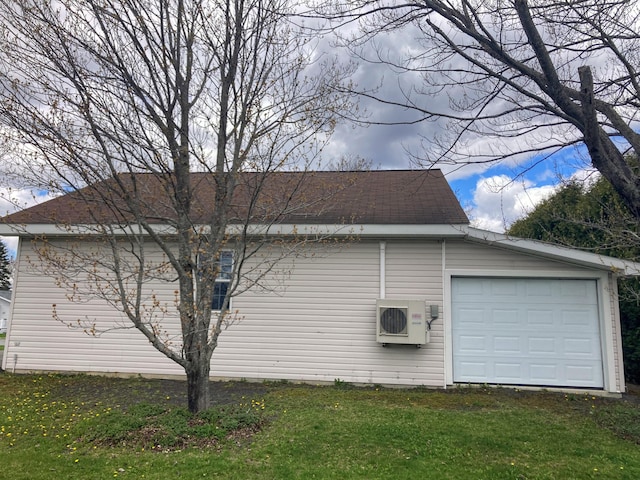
point(5, 268)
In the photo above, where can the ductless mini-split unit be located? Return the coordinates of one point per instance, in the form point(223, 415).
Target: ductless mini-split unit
point(401, 322)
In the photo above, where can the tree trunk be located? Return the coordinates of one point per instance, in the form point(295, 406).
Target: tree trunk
point(605, 156)
point(198, 386)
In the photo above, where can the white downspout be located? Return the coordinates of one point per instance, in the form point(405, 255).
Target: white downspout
point(383, 274)
point(4, 359)
point(446, 307)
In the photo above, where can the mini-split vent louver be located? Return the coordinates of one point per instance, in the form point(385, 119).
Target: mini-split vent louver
point(401, 321)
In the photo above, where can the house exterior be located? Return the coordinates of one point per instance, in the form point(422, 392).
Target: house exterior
point(485, 308)
point(5, 307)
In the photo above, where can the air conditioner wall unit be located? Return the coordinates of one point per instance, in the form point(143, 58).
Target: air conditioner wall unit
point(401, 322)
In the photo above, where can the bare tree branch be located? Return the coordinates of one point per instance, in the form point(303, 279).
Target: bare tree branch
point(511, 69)
point(137, 107)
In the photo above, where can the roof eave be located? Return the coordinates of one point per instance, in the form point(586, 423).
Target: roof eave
point(554, 252)
point(359, 230)
point(573, 256)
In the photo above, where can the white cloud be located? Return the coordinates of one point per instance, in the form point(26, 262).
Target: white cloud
point(12, 200)
point(499, 201)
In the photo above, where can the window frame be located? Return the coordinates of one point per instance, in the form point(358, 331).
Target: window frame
point(224, 277)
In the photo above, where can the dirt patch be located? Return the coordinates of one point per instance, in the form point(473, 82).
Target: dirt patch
point(132, 391)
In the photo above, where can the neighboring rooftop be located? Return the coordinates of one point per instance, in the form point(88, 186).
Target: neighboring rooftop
point(369, 197)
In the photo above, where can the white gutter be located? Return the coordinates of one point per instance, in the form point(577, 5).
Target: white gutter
point(386, 231)
point(368, 230)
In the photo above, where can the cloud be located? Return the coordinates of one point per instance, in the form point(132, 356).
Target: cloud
point(12, 200)
point(437, 87)
point(391, 140)
point(499, 200)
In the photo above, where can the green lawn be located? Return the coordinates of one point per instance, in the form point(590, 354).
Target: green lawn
point(85, 427)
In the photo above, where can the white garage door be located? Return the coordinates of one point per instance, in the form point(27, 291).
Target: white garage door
point(523, 331)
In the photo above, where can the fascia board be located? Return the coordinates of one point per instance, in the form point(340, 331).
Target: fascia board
point(532, 247)
point(554, 252)
point(357, 230)
point(38, 229)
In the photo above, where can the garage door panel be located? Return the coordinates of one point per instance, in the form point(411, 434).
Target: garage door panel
point(582, 374)
point(503, 289)
point(538, 289)
point(475, 371)
point(579, 318)
point(543, 373)
point(508, 372)
point(577, 290)
point(542, 346)
point(501, 316)
point(547, 333)
point(581, 347)
point(473, 344)
point(538, 318)
point(471, 316)
point(506, 345)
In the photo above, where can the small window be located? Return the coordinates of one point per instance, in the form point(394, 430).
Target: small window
point(223, 279)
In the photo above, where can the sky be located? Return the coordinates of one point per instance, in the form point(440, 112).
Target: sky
point(493, 195)
point(492, 198)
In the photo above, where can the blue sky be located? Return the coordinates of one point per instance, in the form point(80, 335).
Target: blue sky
point(494, 195)
point(502, 194)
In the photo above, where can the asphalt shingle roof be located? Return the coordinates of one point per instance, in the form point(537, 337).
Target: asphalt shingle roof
point(372, 197)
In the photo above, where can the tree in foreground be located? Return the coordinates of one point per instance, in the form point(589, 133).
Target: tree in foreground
point(149, 103)
point(594, 218)
point(522, 76)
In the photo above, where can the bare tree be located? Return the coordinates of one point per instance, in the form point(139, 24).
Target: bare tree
point(526, 76)
point(137, 107)
point(348, 163)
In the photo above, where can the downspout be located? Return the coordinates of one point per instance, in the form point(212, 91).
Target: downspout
point(383, 273)
point(4, 361)
point(447, 365)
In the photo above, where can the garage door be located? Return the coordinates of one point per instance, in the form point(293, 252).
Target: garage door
point(526, 332)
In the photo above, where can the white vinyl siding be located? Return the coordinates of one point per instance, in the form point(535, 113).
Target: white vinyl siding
point(322, 327)
point(414, 271)
point(37, 341)
point(314, 320)
point(612, 305)
point(472, 255)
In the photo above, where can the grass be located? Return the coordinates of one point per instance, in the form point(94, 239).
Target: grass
point(93, 427)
